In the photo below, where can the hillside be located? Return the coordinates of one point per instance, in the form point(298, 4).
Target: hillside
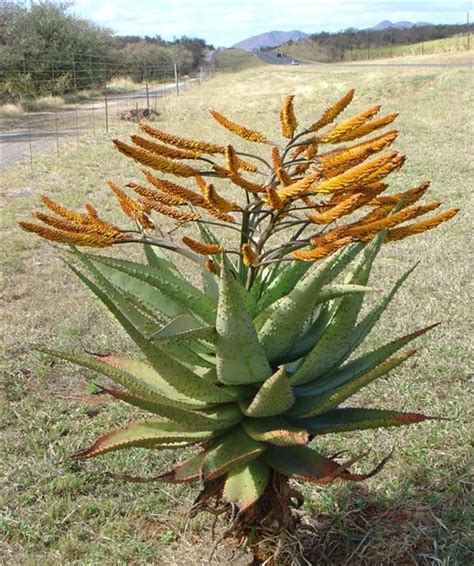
point(270, 39)
point(387, 24)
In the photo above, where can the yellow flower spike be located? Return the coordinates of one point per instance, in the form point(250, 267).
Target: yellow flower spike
point(154, 161)
point(239, 180)
point(421, 226)
point(181, 142)
point(340, 132)
point(62, 224)
point(331, 113)
point(249, 256)
point(247, 166)
point(201, 247)
point(277, 163)
point(323, 251)
point(241, 131)
point(288, 120)
point(164, 150)
point(180, 215)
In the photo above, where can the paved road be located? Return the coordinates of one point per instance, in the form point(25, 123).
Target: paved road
point(35, 132)
point(271, 58)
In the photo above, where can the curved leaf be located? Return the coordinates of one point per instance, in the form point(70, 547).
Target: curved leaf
point(240, 358)
point(275, 430)
point(349, 419)
point(273, 398)
point(234, 449)
point(246, 484)
point(300, 461)
point(318, 404)
point(143, 434)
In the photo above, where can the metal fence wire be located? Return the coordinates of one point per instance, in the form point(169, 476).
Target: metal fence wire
point(77, 98)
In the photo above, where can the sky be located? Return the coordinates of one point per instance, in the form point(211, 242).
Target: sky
point(223, 23)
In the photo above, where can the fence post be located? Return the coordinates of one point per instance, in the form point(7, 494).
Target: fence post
point(106, 101)
point(147, 97)
point(176, 78)
point(200, 76)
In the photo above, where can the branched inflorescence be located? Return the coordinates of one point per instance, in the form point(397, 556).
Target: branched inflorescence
point(303, 189)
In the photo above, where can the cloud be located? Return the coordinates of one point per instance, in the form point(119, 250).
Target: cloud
point(224, 22)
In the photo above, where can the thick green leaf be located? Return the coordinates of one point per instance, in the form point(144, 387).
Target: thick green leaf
point(273, 398)
point(318, 404)
point(183, 294)
point(240, 357)
point(348, 419)
point(359, 366)
point(187, 471)
point(143, 434)
point(235, 449)
point(222, 417)
point(330, 292)
point(286, 318)
point(157, 258)
point(333, 344)
point(281, 285)
point(246, 484)
point(301, 462)
point(275, 430)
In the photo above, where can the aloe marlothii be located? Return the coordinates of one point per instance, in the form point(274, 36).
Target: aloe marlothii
point(262, 359)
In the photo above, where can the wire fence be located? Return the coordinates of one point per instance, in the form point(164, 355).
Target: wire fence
point(75, 100)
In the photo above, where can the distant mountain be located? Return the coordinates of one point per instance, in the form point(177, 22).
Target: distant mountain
point(387, 24)
point(269, 39)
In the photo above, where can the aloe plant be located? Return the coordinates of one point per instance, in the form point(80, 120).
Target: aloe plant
point(258, 362)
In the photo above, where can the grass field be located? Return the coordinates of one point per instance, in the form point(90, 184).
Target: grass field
point(309, 51)
point(417, 511)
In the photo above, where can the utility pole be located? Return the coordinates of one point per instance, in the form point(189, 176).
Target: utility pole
point(176, 78)
point(468, 34)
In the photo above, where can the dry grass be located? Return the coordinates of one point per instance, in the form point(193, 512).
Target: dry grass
point(415, 512)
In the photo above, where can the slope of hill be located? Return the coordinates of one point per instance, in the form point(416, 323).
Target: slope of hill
point(270, 39)
point(387, 24)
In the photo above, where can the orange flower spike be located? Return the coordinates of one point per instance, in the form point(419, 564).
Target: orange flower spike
point(370, 229)
point(299, 187)
point(249, 256)
point(409, 197)
point(421, 226)
point(332, 112)
point(369, 127)
point(75, 238)
point(323, 251)
point(342, 209)
point(231, 161)
point(212, 267)
point(181, 194)
point(370, 171)
point(129, 206)
point(155, 161)
point(339, 132)
point(62, 211)
point(181, 142)
point(273, 200)
point(164, 150)
point(62, 224)
point(201, 247)
point(179, 215)
point(281, 173)
point(241, 131)
point(288, 120)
